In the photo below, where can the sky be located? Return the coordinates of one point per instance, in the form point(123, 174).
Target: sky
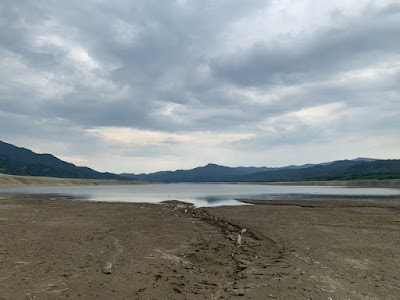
point(142, 86)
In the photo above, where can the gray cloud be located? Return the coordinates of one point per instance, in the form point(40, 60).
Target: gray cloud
point(197, 69)
point(348, 45)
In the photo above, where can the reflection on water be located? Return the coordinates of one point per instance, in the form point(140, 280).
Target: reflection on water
point(201, 194)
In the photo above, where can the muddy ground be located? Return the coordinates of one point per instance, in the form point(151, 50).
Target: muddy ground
point(319, 249)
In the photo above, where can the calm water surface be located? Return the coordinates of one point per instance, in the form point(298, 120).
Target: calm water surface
point(202, 194)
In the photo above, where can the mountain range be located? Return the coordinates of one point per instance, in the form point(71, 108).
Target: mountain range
point(360, 168)
point(20, 161)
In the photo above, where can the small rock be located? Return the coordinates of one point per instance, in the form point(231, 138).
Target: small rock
point(244, 230)
point(107, 267)
point(238, 292)
point(239, 240)
point(179, 206)
point(244, 261)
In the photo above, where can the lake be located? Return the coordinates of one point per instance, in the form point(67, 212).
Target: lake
point(202, 194)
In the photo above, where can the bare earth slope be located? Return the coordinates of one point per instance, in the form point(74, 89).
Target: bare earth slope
point(54, 249)
point(385, 183)
point(13, 180)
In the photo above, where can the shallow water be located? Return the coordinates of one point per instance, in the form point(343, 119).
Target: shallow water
point(201, 194)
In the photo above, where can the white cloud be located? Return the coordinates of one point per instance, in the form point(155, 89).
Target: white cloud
point(317, 114)
point(137, 137)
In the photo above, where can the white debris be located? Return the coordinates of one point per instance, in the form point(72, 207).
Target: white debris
point(107, 267)
point(239, 240)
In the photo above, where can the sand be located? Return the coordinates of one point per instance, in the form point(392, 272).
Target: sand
point(52, 248)
point(17, 181)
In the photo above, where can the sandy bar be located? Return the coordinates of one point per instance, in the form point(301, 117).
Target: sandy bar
point(16, 181)
point(316, 249)
point(367, 183)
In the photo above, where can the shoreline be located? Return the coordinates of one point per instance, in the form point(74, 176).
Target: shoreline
point(289, 249)
point(367, 183)
point(15, 181)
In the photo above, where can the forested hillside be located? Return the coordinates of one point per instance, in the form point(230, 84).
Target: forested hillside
point(20, 161)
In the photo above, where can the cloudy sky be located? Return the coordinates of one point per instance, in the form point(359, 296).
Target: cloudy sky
point(140, 86)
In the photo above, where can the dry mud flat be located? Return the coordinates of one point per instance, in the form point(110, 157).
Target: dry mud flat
point(319, 249)
point(17, 181)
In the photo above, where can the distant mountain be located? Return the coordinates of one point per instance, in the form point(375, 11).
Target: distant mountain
point(217, 173)
point(20, 161)
point(339, 170)
point(199, 174)
point(196, 174)
point(206, 172)
point(364, 159)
